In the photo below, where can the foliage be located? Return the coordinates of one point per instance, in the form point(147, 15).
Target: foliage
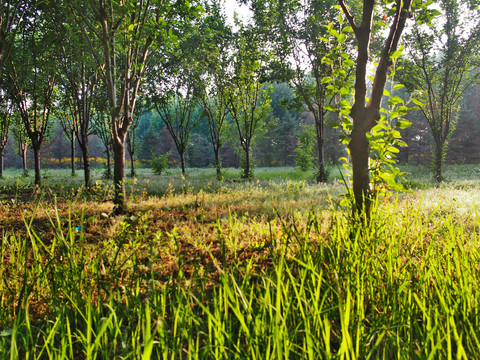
point(440, 65)
point(305, 147)
point(204, 282)
point(160, 163)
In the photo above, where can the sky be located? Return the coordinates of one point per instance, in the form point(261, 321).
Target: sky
point(232, 6)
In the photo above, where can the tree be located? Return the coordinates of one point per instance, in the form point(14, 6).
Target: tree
point(365, 112)
point(440, 64)
point(297, 29)
point(248, 100)
point(81, 77)
point(127, 30)
point(176, 109)
point(70, 129)
point(101, 126)
point(6, 110)
point(21, 137)
point(142, 109)
point(32, 72)
point(211, 88)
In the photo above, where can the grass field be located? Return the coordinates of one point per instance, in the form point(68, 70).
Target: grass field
point(267, 269)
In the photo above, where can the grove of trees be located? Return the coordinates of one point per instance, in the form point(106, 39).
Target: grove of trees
point(220, 92)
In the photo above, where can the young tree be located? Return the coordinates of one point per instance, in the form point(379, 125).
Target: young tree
point(142, 109)
point(127, 30)
point(80, 78)
point(440, 64)
point(365, 111)
point(211, 87)
point(176, 109)
point(248, 100)
point(296, 29)
point(70, 129)
point(32, 72)
point(101, 126)
point(21, 137)
point(6, 110)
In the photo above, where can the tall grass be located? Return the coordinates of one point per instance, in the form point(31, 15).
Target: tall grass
point(403, 286)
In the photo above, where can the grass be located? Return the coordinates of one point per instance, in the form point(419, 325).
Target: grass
point(268, 269)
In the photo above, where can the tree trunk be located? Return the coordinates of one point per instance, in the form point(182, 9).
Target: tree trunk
point(1, 161)
point(23, 151)
point(360, 153)
point(218, 164)
point(438, 161)
point(246, 171)
point(86, 163)
point(108, 174)
point(132, 165)
point(36, 154)
point(182, 161)
point(73, 153)
point(320, 128)
point(120, 199)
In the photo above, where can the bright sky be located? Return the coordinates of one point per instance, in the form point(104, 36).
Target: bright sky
point(232, 6)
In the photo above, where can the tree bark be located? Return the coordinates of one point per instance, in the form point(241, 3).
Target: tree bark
point(182, 161)
point(86, 163)
point(23, 151)
point(438, 161)
point(132, 165)
point(247, 172)
point(319, 126)
point(36, 155)
point(72, 144)
point(218, 163)
point(120, 199)
point(108, 173)
point(1, 161)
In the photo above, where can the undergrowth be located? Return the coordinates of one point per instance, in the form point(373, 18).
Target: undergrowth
point(311, 285)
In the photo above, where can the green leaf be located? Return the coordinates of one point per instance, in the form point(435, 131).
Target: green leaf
point(326, 79)
point(394, 100)
point(327, 61)
point(417, 102)
point(403, 124)
point(398, 86)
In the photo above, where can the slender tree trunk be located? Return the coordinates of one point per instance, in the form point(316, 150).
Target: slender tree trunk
point(1, 161)
point(72, 144)
point(182, 161)
point(320, 128)
point(108, 174)
point(38, 176)
point(120, 199)
point(247, 173)
point(438, 161)
point(132, 165)
point(23, 151)
point(218, 163)
point(86, 163)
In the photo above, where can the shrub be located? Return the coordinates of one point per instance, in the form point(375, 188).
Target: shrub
point(160, 163)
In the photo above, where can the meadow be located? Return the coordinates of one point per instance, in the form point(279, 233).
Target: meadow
point(272, 268)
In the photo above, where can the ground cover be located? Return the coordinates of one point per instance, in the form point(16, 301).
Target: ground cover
point(270, 268)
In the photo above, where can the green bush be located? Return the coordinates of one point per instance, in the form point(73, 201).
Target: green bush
point(304, 152)
point(160, 163)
